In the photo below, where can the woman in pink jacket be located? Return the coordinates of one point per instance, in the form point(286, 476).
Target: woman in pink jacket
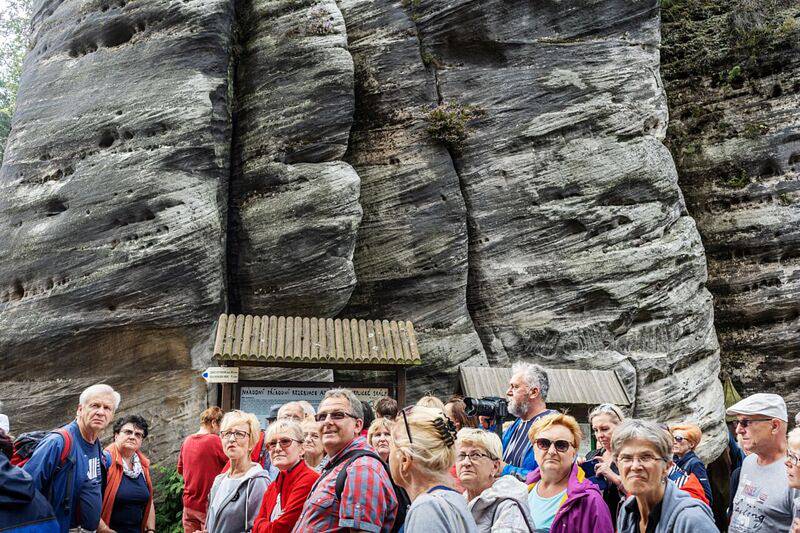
point(559, 498)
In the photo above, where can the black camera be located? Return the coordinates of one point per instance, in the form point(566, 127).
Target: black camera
point(491, 406)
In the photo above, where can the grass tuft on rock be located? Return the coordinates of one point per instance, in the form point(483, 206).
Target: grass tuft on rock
point(449, 123)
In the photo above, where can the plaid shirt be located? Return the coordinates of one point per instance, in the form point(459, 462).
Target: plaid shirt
point(368, 500)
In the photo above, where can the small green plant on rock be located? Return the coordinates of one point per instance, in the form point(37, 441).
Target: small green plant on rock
point(449, 122)
point(755, 130)
point(738, 179)
point(168, 489)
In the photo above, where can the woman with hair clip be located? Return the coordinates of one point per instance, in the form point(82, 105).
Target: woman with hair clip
point(600, 467)
point(421, 455)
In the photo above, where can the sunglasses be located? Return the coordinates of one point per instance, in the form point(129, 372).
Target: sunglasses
point(405, 421)
point(284, 442)
point(561, 445)
point(335, 415)
point(678, 438)
point(746, 421)
point(793, 458)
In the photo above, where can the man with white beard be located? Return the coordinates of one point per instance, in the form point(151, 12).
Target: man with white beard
point(527, 391)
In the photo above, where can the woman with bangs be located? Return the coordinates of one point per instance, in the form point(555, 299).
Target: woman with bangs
point(560, 498)
point(600, 467)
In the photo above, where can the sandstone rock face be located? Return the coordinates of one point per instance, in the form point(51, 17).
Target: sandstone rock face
point(557, 232)
point(732, 74)
point(112, 207)
point(411, 257)
point(579, 238)
point(296, 208)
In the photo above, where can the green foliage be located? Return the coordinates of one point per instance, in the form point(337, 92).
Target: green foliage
point(731, 77)
point(14, 24)
point(168, 488)
point(448, 123)
point(754, 130)
point(737, 179)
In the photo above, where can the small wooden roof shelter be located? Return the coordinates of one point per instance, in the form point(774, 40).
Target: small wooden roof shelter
point(303, 342)
point(566, 386)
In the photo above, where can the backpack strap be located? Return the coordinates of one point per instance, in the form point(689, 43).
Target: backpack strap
point(66, 462)
point(350, 457)
point(502, 499)
point(67, 436)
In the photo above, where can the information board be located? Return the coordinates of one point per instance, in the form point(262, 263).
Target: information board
point(259, 400)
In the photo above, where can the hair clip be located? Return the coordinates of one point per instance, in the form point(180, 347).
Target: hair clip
point(447, 430)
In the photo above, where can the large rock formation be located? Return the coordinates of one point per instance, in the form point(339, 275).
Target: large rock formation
point(555, 232)
point(112, 203)
point(732, 71)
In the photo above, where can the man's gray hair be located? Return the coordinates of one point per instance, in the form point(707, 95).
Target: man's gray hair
point(355, 404)
point(97, 390)
point(534, 375)
point(636, 428)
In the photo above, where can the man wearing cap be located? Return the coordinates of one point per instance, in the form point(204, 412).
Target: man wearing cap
point(763, 500)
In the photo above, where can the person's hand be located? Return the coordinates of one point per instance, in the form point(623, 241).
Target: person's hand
point(795, 526)
point(581, 460)
point(604, 469)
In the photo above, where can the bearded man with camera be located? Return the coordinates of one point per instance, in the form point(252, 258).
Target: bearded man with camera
point(527, 391)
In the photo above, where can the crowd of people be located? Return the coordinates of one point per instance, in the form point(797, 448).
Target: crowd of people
point(430, 467)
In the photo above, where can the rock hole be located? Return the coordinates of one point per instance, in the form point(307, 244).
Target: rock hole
point(106, 139)
point(127, 135)
point(794, 158)
point(17, 291)
point(574, 227)
point(49, 284)
point(769, 169)
point(777, 90)
point(394, 160)
point(55, 207)
point(116, 34)
point(104, 8)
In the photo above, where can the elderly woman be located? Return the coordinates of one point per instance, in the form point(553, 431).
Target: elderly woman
point(599, 466)
point(686, 437)
point(285, 497)
point(644, 454)
point(128, 496)
point(497, 503)
point(236, 495)
point(422, 453)
point(429, 400)
point(313, 452)
point(379, 436)
point(793, 472)
point(559, 497)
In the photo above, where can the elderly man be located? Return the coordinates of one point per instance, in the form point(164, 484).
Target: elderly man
point(367, 501)
point(73, 485)
point(763, 500)
point(292, 411)
point(527, 391)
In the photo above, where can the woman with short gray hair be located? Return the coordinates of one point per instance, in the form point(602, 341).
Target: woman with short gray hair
point(643, 452)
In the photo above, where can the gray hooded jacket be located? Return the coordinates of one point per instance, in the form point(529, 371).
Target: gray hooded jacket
point(238, 509)
point(680, 513)
point(503, 507)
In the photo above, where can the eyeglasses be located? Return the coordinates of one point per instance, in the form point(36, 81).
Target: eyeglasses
point(335, 415)
point(792, 458)
point(473, 457)
point(561, 445)
point(290, 417)
point(405, 421)
point(678, 438)
point(128, 432)
point(744, 422)
point(238, 435)
point(644, 460)
point(311, 436)
point(284, 442)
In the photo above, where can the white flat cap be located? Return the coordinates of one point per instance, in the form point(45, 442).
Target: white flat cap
point(770, 405)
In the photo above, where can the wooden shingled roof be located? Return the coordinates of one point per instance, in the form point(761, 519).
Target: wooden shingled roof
point(566, 385)
point(304, 341)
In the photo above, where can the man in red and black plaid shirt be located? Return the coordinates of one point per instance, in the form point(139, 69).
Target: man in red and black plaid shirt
point(368, 502)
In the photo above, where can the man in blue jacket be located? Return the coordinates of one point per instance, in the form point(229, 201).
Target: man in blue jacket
point(527, 391)
point(22, 508)
point(74, 487)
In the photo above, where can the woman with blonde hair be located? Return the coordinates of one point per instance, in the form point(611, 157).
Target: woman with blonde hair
point(793, 472)
point(421, 455)
point(379, 436)
point(559, 497)
point(686, 437)
point(497, 503)
point(429, 400)
point(236, 495)
point(313, 452)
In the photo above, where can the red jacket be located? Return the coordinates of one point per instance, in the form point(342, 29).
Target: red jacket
point(115, 473)
point(200, 460)
point(294, 487)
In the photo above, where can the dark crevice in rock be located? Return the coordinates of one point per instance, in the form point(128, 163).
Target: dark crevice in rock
point(235, 167)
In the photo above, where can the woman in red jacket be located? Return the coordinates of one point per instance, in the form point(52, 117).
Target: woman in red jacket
point(285, 497)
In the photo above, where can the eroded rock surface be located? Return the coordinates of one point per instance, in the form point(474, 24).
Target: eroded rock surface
point(732, 71)
point(579, 237)
point(411, 257)
point(296, 210)
point(112, 206)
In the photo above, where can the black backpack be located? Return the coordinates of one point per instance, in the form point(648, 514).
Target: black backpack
point(403, 501)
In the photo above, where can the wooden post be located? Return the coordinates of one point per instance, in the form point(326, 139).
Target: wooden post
point(401, 387)
point(227, 397)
